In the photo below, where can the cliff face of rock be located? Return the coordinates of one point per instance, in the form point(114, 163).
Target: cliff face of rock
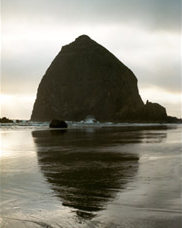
point(84, 80)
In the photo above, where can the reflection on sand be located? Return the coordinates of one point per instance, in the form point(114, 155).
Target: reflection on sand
point(84, 175)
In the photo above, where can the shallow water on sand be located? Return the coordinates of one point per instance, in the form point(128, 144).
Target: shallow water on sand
point(126, 176)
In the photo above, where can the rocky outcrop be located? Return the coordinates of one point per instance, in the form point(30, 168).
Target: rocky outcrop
point(85, 79)
point(150, 112)
point(172, 119)
point(153, 112)
point(5, 120)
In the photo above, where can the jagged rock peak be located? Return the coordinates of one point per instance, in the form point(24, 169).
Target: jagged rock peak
point(83, 37)
point(82, 43)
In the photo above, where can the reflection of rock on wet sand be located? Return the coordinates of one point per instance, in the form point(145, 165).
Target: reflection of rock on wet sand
point(81, 173)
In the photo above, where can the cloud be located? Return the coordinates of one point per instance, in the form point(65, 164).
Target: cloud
point(16, 106)
point(155, 14)
point(154, 57)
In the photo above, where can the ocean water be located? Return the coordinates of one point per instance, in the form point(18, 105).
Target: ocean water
point(91, 175)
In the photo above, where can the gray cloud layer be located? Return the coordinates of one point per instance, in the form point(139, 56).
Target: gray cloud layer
point(153, 14)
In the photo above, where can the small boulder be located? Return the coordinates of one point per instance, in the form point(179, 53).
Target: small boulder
point(55, 123)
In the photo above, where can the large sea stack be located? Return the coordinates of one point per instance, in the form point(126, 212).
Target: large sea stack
point(85, 79)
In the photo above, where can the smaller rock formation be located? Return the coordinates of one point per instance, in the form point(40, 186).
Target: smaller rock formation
point(55, 123)
point(150, 112)
point(154, 112)
point(172, 119)
point(5, 120)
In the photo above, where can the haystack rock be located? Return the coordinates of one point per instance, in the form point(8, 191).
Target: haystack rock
point(85, 79)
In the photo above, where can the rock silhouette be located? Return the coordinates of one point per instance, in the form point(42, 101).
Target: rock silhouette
point(5, 120)
point(84, 168)
point(84, 177)
point(86, 79)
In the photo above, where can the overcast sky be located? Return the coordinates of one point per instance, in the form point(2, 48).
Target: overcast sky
point(144, 34)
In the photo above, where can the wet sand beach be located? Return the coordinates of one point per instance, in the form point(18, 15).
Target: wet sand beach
point(104, 176)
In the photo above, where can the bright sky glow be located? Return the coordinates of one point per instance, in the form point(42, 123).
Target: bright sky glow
point(16, 106)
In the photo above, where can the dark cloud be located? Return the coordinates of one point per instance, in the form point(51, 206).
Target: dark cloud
point(153, 14)
point(163, 74)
